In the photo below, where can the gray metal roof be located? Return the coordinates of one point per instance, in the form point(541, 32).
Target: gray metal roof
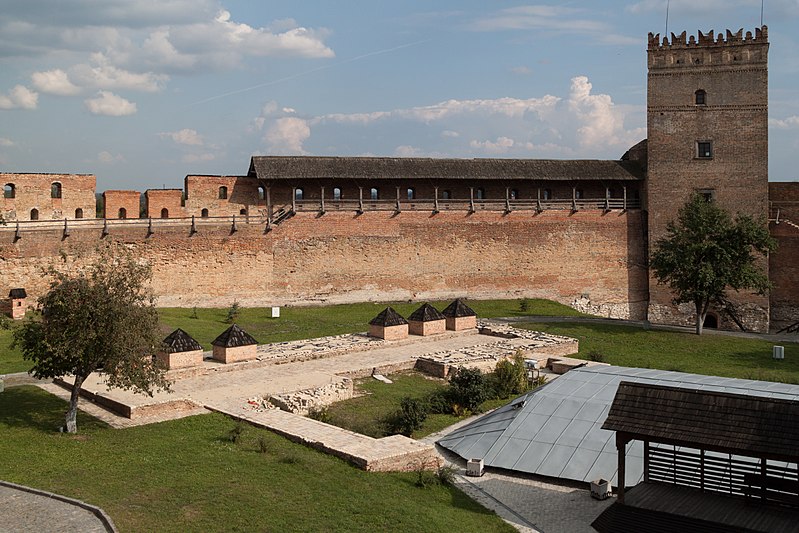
point(556, 430)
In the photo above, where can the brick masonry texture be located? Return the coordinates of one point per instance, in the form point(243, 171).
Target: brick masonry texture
point(121, 204)
point(377, 256)
point(784, 263)
point(34, 191)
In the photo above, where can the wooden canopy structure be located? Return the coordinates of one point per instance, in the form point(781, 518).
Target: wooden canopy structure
point(712, 461)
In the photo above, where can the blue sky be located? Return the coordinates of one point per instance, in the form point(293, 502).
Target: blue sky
point(143, 93)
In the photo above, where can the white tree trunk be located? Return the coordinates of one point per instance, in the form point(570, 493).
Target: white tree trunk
point(71, 425)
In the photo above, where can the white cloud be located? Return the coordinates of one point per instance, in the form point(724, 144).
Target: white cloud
point(522, 70)
point(450, 133)
point(19, 97)
point(185, 136)
point(197, 158)
point(54, 81)
point(407, 151)
point(785, 123)
point(108, 103)
point(500, 146)
point(287, 135)
point(109, 158)
point(6, 143)
point(101, 74)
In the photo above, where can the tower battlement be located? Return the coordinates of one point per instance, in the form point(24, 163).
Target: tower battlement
point(707, 39)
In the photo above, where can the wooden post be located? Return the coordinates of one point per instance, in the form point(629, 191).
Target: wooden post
point(269, 204)
point(621, 444)
point(507, 199)
point(538, 201)
point(435, 200)
point(574, 198)
point(624, 205)
point(322, 201)
point(471, 199)
point(607, 198)
point(294, 199)
point(360, 199)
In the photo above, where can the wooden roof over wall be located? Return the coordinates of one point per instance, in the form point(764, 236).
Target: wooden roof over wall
point(311, 167)
point(749, 425)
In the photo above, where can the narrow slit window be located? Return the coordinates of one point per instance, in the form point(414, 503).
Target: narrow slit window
point(700, 97)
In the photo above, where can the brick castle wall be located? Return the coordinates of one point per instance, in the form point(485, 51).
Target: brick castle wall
point(784, 263)
point(34, 191)
point(378, 256)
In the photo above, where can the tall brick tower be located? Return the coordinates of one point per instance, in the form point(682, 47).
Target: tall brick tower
point(707, 121)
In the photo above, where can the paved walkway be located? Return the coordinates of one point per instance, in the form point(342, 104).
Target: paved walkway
point(389, 454)
point(25, 509)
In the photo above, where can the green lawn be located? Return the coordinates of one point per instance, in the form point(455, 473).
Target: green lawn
point(185, 476)
point(363, 414)
point(718, 355)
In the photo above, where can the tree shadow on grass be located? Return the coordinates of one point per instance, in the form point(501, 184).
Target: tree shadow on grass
point(30, 407)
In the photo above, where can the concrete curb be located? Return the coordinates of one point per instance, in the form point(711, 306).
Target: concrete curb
point(96, 511)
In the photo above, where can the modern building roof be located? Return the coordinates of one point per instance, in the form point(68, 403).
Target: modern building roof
point(426, 313)
point(556, 430)
point(387, 318)
point(458, 309)
point(310, 167)
point(234, 337)
point(180, 341)
point(17, 294)
point(737, 423)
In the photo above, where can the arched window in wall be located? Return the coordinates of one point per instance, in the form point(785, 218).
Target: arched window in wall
point(165, 213)
point(9, 190)
point(446, 194)
point(223, 193)
point(242, 211)
point(79, 213)
point(480, 194)
point(298, 194)
point(55, 190)
point(514, 194)
point(337, 193)
point(261, 193)
point(204, 212)
point(123, 213)
point(411, 193)
point(546, 194)
point(374, 194)
point(34, 214)
point(700, 97)
point(578, 194)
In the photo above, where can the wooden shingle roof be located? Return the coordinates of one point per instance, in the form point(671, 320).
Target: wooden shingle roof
point(310, 167)
point(458, 309)
point(426, 313)
point(17, 294)
point(735, 423)
point(233, 337)
point(388, 317)
point(180, 341)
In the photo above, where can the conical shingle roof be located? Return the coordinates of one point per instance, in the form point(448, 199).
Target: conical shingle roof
point(426, 313)
point(233, 337)
point(180, 341)
point(458, 309)
point(388, 317)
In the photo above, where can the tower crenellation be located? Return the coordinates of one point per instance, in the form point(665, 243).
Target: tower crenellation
point(732, 49)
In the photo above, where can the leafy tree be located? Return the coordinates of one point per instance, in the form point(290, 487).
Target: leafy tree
point(706, 252)
point(510, 376)
point(100, 317)
point(410, 416)
point(468, 388)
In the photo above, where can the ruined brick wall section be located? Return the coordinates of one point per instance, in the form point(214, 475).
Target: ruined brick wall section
point(733, 73)
point(377, 256)
point(784, 263)
point(122, 204)
point(241, 195)
point(162, 202)
point(34, 191)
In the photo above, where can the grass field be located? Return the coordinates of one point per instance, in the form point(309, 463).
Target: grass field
point(718, 355)
point(185, 475)
point(364, 413)
point(297, 322)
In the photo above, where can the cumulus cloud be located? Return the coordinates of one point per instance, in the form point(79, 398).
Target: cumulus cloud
point(110, 104)
point(407, 150)
point(450, 133)
point(784, 123)
point(197, 158)
point(185, 136)
point(109, 158)
point(500, 146)
point(286, 136)
point(54, 81)
point(19, 97)
point(522, 70)
point(101, 74)
point(6, 143)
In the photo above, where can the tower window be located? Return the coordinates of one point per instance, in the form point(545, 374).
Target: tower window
point(79, 213)
point(55, 190)
point(446, 195)
point(704, 149)
point(336, 193)
point(700, 97)
point(34, 214)
point(223, 193)
point(707, 194)
point(374, 194)
point(123, 213)
point(165, 213)
point(411, 193)
point(299, 194)
point(204, 213)
point(261, 193)
point(9, 190)
point(480, 194)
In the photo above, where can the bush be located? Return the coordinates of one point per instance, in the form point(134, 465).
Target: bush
point(596, 356)
point(234, 435)
point(524, 305)
point(468, 389)
point(322, 414)
point(410, 417)
point(233, 313)
point(263, 446)
point(510, 377)
point(440, 401)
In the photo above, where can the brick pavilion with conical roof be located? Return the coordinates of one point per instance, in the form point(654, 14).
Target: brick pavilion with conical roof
point(460, 316)
point(234, 345)
point(388, 325)
point(426, 320)
point(180, 350)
